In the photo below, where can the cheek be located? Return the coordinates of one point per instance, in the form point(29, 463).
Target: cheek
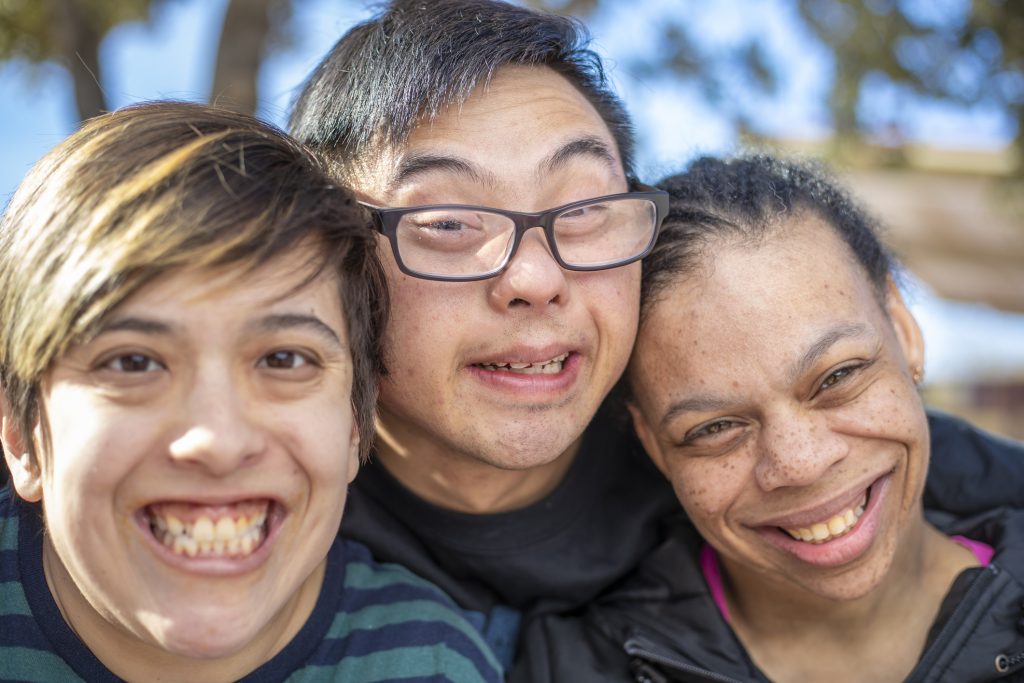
point(423, 318)
point(707, 487)
point(318, 439)
point(890, 409)
point(93, 446)
point(613, 298)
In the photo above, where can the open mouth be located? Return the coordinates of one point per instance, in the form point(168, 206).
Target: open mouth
point(548, 367)
point(233, 531)
point(835, 526)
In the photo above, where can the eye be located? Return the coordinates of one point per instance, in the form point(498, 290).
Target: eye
point(132, 363)
point(448, 225)
point(711, 431)
point(285, 360)
point(838, 376)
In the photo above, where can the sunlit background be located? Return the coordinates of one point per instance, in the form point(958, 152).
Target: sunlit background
point(921, 127)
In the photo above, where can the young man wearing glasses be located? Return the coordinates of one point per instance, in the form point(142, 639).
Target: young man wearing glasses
point(499, 164)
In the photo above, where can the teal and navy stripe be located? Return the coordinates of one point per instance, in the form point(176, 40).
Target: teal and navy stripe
point(372, 622)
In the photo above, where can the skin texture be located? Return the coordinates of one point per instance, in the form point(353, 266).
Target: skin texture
point(204, 388)
point(773, 390)
point(454, 434)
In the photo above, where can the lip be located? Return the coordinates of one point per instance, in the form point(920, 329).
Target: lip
point(822, 511)
point(844, 549)
point(524, 353)
point(534, 386)
point(215, 566)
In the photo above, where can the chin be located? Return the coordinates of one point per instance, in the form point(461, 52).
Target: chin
point(854, 586)
point(208, 639)
point(525, 456)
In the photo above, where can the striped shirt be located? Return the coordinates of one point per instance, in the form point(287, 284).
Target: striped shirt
point(372, 622)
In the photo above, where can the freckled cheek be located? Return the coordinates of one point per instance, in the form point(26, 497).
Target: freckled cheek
point(706, 492)
point(891, 411)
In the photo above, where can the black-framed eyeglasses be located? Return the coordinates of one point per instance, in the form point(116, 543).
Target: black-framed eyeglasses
point(461, 243)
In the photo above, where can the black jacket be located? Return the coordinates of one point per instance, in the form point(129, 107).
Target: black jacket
point(551, 560)
point(662, 626)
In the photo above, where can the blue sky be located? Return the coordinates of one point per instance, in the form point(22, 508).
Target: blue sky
point(172, 57)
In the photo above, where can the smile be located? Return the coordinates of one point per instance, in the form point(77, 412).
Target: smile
point(835, 526)
point(202, 531)
point(547, 367)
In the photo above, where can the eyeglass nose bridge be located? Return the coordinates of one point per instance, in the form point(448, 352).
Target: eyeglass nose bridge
point(524, 222)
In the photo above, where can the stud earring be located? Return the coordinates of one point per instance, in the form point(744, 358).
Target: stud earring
point(917, 375)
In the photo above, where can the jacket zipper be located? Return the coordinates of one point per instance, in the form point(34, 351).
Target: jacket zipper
point(1004, 663)
point(638, 646)
point(956, 620)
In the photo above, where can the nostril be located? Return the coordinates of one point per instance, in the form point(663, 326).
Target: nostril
point(518, 302)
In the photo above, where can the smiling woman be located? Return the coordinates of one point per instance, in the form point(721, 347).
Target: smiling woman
point(774, 383)
point(189, 362)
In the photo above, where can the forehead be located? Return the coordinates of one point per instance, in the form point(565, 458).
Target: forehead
point(759, 303)
point(514, 133)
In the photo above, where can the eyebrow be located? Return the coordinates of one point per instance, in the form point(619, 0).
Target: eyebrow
point(416, 164)
point(269, 323)
point(824, 343)
point(131, 324)
point(588, 146)
point(290, 321)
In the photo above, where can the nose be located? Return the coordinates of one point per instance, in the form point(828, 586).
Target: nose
point(796, 450)
point(532, 279)
point(220, 433)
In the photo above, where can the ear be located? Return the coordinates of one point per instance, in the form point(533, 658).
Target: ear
point(907, 331)
point(647, 437)
point(353, 449)
point(25, 473)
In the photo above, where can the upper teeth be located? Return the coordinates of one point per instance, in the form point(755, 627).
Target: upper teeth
point(204, 536)
point(543, 367)
point(833, 527)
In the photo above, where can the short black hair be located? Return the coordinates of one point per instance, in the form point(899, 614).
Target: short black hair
point(416, 58)
point(745, 199)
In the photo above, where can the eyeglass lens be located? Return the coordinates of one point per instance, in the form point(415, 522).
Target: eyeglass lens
point(465, 242)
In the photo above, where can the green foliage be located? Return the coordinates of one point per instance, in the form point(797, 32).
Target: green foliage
point(967, 52)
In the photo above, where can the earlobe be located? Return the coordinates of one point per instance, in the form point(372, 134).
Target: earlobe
point(25, 475)
point(24, 470)
point(646, 436)
point(908, 333)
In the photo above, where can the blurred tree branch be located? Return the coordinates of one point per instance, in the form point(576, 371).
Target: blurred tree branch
point(70, 32)
point(969, 53)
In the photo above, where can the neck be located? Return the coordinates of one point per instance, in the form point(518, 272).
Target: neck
point(131, 658)
point(776, 621)
point(459, 481)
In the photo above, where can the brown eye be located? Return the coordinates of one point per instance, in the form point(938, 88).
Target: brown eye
point(133, 362)
point(711, 429)
point(284, 360)
point(836, 377)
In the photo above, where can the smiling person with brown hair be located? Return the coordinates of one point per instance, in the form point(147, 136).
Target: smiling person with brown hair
point(189, 360)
